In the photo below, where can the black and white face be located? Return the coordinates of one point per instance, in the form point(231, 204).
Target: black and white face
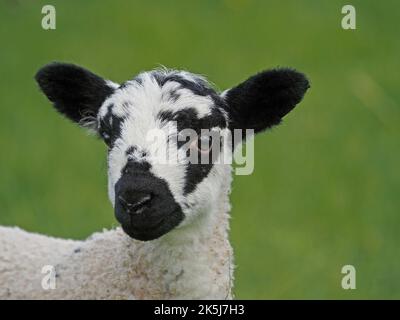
point(151, 197)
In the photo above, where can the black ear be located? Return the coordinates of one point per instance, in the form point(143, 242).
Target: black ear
point(75, 92)
point(264, 99)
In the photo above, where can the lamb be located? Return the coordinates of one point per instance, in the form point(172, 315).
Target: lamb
point(173, 240)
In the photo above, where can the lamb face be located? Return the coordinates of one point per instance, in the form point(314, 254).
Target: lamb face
point(165, 132)
point(153, 127)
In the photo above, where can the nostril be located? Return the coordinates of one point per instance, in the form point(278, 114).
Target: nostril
point(135, 205)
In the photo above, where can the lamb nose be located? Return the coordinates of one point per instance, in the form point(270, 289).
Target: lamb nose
point(135, 203)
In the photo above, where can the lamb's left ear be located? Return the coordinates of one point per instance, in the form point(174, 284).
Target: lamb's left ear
point(75, 92)
point(264, 99)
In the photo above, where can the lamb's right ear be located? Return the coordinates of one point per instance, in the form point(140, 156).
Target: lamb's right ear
point(74, 91)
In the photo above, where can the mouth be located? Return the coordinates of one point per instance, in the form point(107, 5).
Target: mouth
point(144, 206)
point(153, 231)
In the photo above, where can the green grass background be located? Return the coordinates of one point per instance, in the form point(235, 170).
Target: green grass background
point(325, 190)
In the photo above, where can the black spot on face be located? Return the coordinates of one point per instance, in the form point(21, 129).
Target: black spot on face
point(188, 119)
point(166, 115)
point(136, 160)
point(197, 86)
point(110, 126)
point(130, 150)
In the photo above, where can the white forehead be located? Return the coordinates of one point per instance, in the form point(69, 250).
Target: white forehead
point(144, 97)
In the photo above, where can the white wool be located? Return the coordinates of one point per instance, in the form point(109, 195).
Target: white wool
point(190, 262)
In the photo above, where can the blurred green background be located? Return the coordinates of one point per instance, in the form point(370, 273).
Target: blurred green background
point(326, 186)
